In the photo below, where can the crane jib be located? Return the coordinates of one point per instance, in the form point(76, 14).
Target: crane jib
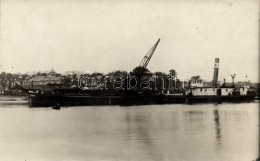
point(148, 56)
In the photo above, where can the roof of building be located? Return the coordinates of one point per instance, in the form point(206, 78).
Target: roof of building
point(195, 78)
point(51, 78)
point(52, 71)
point(37, 78)
point(45, 87)
point(44, 78)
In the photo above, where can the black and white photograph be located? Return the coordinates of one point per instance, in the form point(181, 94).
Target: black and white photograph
point(121, 80)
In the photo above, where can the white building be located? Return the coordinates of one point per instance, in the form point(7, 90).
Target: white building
point(198, 88)
point(196, 82)
point(209, 91)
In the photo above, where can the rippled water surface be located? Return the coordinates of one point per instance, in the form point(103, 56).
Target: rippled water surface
point(202, 132)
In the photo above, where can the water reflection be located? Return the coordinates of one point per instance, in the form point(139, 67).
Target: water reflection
point(217, 126)
point(138, 129)
point(194, 120)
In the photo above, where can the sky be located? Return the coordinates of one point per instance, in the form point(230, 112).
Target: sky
point(109, 35)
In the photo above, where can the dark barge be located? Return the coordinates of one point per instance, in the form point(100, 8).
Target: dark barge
point(78, 97)
point(81, 100)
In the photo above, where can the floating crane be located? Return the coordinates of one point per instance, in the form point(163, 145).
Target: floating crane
point(148, 56)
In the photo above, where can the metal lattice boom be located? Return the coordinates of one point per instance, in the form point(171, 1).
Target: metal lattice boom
point(149, 55)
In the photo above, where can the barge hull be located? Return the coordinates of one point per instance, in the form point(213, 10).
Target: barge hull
point(48, 101)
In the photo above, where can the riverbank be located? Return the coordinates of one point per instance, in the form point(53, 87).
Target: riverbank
point(12, 99)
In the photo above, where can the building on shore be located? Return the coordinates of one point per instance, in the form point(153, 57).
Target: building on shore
point(50, 78)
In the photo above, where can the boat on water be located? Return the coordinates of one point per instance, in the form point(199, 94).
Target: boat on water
point(60, 96)
point(53, 95)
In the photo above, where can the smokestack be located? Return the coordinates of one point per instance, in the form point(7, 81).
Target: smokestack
point(215, 76)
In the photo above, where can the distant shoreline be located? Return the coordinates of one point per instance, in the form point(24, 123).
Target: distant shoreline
point(12, 98)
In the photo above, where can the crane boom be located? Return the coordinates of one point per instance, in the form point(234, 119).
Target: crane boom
point(149, 55)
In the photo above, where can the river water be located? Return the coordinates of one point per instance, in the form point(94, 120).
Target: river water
point(201, 132)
